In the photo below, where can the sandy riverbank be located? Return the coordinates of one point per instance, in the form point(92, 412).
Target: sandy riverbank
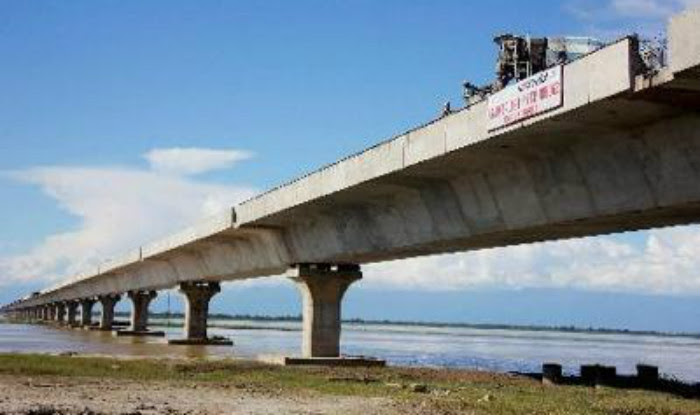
point(61, 395)
point(41, 384)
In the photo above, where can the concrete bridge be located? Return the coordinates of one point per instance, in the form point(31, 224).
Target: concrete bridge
point(621, 152)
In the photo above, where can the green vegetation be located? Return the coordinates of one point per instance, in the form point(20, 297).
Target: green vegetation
point(415, 390)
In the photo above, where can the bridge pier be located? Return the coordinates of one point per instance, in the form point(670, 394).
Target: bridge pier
point(139, 315)
point(71, 313)
point(86, 305)
point(107, 316)
point(51, 312)
point(60, 313)
point(322, 287)
point(197, 296)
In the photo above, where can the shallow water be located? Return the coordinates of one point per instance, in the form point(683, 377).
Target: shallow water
point(483, 349)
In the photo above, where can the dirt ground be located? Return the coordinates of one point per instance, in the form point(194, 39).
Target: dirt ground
point(55, 395)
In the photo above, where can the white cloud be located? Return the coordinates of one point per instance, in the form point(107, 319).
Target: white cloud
point(611, 19)
point(666, 262)
point(608, 10)
point(119, 208)
point(190, 161)
point(648, 9)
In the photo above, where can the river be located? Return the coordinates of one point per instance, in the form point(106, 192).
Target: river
point(481, 349)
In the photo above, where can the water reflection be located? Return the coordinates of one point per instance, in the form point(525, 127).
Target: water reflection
point(498, 350)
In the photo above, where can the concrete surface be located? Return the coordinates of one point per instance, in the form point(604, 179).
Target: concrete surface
point(140, 300)
point(197, 296)
point(345, 361)
point(322, 290)
point(86, 311)
point(137, 333)
point(108, 302)
point(209, 341)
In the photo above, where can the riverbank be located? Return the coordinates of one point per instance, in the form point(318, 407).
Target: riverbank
point(96, 385)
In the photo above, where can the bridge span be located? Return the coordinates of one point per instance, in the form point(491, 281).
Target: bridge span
point(621, 152)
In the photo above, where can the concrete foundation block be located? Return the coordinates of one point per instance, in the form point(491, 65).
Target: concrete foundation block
point(551, 373)
point(598, 374)
point(343, 361)
point(212, 341)
point(647, 375)
point(138, 333)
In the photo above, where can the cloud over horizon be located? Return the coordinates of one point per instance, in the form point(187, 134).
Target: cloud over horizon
point(611, 19)
point(666, 262)
point(121, 207)
point(192, 161)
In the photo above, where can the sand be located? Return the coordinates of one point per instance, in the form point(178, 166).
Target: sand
point(56, 395)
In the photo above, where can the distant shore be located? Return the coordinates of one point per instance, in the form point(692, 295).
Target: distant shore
point(43, 384)
point(427, 324)
point(433, 324)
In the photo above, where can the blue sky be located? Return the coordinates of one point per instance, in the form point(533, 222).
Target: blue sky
point(121, 121)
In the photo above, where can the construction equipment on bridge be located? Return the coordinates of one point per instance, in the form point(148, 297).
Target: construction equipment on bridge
point(520, 57)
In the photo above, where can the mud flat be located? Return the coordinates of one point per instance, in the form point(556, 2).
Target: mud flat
point(45, 385)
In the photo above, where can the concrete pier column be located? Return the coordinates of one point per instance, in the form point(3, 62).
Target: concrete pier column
point(71, 313)
point(322, 287)
point(60, 312)
point(51, 312)
point(86, 305)
point(139, 315)
point(107, 316)
point(197, 296)
point(139, 309)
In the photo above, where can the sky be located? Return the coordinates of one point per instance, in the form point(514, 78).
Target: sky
point(124, 121)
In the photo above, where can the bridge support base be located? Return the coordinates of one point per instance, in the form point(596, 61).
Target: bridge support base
point(71, 313)
point(51, 313)
point(86, 305)
point(345, 361)
point(107, 317)
point(209, 341)
point(197, 296)
point(138, 333)
point(60, 315)
point(140, 301)
point(322, 287)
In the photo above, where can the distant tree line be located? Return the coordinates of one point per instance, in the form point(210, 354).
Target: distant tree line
point(564, 329)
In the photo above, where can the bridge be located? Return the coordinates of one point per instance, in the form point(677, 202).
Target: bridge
point(619, 152)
